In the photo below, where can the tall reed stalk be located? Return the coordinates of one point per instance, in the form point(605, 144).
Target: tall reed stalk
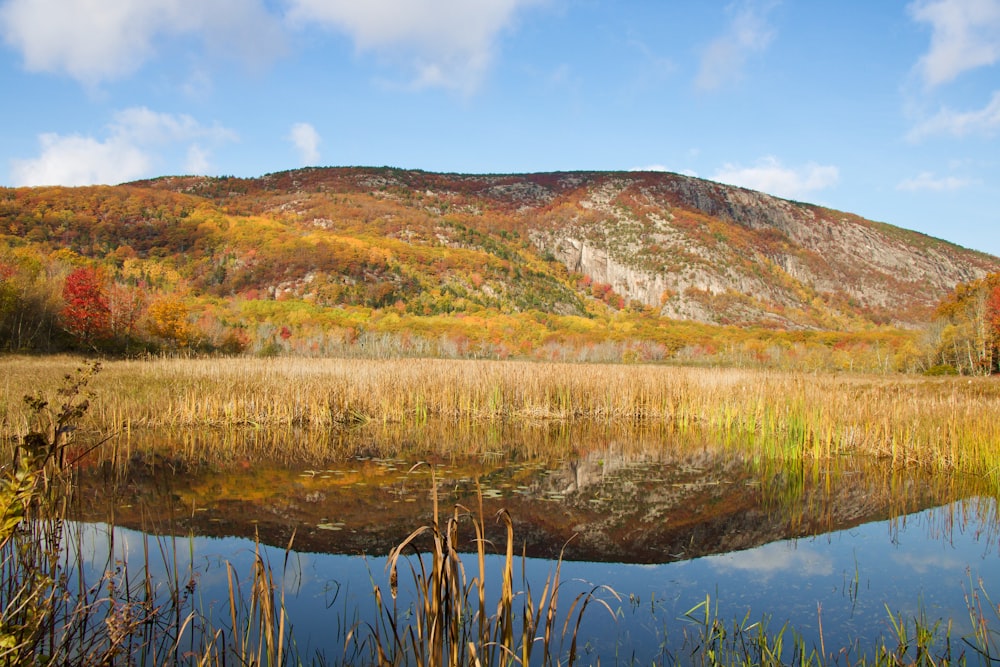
point(451, 622)
point(52, 612)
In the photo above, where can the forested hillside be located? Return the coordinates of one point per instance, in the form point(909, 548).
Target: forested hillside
point(601, 266)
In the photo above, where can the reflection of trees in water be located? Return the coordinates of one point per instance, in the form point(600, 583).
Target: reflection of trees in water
point(819, 496)
point(613, 465)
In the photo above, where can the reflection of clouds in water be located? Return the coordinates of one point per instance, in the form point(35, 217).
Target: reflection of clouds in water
point(924, 563)
point(90, 546)
point(775, 558)
point(87, 543)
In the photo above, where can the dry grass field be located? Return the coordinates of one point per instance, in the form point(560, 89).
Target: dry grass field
point(944, 423)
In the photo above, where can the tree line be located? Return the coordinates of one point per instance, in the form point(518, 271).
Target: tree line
point(65, 302)
point(965, 336)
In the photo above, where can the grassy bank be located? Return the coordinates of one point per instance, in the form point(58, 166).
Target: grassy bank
point(943, 423)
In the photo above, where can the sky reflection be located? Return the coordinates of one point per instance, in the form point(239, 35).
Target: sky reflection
point(923, 565)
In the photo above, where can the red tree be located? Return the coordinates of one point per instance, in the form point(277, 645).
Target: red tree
point(993, 308)
point(86, 314)
point(125, 307)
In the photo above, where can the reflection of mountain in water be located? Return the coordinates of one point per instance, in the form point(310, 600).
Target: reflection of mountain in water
point(648, 510)
point(609, 504)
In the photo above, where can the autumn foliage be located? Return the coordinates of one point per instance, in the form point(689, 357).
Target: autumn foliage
point(386, 262)
point(85, 314)
point(168, 321)
point(967, 333)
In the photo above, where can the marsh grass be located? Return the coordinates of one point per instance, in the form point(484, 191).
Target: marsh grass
point(709, 639)
point(51, 611)
point(34, 486)
point(945, 424)
point(55, 611)
point(52, 614)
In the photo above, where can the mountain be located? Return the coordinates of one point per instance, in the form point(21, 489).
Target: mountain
point(688, 248)
point(572, 265)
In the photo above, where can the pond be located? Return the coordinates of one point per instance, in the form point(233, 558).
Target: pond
point(682, 534)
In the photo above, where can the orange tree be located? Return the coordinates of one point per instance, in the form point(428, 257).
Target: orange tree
point(168, 322)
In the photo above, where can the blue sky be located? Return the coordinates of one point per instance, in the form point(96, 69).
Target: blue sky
point(890, 110)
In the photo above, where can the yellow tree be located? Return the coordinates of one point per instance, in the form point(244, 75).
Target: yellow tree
point(168, 321)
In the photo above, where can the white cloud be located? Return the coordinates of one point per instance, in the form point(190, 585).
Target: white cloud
point(936, 563)
point(770, 176)
point(129, 151)
point(143, 125)
point(197, 160)
point(446, 43)
point(775, 558)
point(961, 123)
point(965, 34)
point(926, 180)
point(306, 140)
point(724, 58)
point(76, 160)
point(94, 41)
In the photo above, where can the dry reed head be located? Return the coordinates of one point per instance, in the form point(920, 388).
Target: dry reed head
point(450, 623)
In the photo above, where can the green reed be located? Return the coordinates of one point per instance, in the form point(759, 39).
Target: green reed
point(711, 640)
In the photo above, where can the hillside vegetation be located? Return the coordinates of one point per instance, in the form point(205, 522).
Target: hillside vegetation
point(576, 266)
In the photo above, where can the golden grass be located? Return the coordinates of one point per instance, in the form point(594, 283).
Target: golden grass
point(944, 423)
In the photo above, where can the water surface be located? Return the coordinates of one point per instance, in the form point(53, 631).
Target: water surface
point(836, 545)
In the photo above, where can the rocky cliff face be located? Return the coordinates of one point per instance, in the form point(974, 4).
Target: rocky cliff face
point(700, 250)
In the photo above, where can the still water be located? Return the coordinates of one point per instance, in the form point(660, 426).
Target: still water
point(831, 549)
